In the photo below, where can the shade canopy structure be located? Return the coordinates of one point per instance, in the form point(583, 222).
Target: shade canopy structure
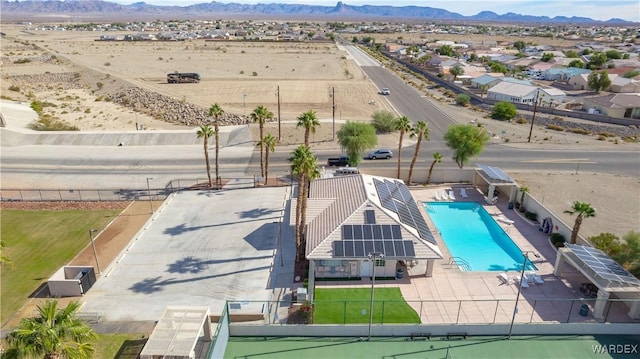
point(605, 273)
point(496, 177)
point(177, 332)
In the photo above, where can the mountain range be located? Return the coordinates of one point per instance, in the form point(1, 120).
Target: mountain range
point(41, 10)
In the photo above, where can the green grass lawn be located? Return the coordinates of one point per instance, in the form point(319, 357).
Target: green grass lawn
point(119, 346)
point(351, 306)
point(38, 243)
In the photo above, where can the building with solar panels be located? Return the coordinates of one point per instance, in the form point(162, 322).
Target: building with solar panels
point(355, 220)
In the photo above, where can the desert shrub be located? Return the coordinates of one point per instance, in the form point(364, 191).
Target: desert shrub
point(14, 88)
point(88, 110)
point(531, 216)
point(555, 128)
point(579, 131)
point(521, 121)
point(601, 138)
point(504, 111)
point(606, 134)
point(557, 240)
point(383, 121)
point(22, 61)
point(241, 72)
point(107, 63)
point(255, 74)
point(463, 99)
point(99, 85)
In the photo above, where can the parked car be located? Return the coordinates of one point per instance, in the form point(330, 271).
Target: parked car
point(380, 153)
point(385, 91)
point(338, 161)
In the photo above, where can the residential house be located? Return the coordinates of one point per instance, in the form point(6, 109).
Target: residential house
point(488, 80)
point(513, 92)
point(615, 105)
point(624, 85)
point(563, 73)
point(580, 81)
point(551, 96)
point(352, 220)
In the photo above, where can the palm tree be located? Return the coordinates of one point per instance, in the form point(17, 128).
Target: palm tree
point(420, 130)
point(305, 165)
point(270, 145)
point(524, 190)
point(260, 115)
point(53, 333)
point(216, 111)
point(583, 210)
point(437, 158)
point(402, 124)
point(310, 122)
point(205, 132)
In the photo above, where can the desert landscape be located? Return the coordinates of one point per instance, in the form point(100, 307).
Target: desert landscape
point(119, 86)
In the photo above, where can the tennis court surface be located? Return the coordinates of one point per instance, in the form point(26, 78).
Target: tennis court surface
point(605, 346)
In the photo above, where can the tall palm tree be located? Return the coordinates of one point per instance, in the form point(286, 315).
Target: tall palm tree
point(403, 125)
point(270, 145)
point(437, 158)
point(310, 122)
point(260, 115)
point(305, 165)
point(205, 132)
point(53, 333)
point(216, 111)
point(419, 130)
point(583, 210)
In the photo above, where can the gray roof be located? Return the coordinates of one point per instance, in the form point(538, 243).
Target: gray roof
point(513, 89)
point(338, 201)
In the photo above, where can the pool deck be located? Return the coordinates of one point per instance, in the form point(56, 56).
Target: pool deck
point(485, 298)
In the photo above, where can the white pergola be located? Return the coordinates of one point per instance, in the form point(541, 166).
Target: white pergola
point(177, 332)
point(496, 177)
point(604, 273)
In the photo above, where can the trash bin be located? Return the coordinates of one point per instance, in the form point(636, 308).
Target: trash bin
point(399, 273)
point(584, 310)
point(510, 205)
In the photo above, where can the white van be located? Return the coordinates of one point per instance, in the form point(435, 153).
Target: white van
point(346, 171)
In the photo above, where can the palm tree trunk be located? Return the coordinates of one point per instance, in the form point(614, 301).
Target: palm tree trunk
point(261, 148)
point(266, 167)
point(217, 128)
point(576, 228)
point(399, 152)
point(299, 208)
point(206, 158)
point(414, 159)
point(303, 220)
point(431, 170)
point(307, 131)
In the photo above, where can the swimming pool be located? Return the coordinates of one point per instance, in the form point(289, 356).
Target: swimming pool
point(470, 233)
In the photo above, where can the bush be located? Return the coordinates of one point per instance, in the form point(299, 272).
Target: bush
point(555, 128)
point(22, 61)
point(463, 99)
point(504, 111)
point(521, 121)
point(384, 121)
point(579, 131)
point(531, 216)
point(14, 88)
point(557, 240)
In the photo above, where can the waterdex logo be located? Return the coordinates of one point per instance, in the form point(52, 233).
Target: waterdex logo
point(615, 349)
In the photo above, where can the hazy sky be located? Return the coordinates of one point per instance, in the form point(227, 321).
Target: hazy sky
point(598, 10)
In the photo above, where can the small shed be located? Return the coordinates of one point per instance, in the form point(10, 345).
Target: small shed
point(71, 281)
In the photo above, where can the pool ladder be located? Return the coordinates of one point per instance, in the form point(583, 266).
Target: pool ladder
point(460, 262)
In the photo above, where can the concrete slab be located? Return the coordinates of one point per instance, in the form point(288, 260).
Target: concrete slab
point(201, 248)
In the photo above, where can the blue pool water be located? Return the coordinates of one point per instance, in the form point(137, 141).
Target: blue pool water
point(472, 234)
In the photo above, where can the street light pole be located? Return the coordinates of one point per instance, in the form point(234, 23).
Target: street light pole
point(333, 113)
point(95, 253)
point(149, 192)
point(279, 128)
point(372, 257)
point(244, 104)
point(515, 308)
point(533, 118)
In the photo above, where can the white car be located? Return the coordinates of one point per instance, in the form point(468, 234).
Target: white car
point(385, 91)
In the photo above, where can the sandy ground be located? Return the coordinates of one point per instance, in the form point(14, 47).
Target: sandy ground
point(305, 73)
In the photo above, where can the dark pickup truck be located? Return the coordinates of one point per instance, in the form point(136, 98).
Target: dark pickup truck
point(338, 161)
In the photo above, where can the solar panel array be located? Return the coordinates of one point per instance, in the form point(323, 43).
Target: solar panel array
point(395, 196)
point(603, 264)
point(358, 241)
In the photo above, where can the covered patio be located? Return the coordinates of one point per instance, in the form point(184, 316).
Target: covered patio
point(605, 273)
point(495, 178)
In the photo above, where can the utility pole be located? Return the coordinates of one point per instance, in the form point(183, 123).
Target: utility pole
point(333, 112)
point(279, 128)
point(533, 118)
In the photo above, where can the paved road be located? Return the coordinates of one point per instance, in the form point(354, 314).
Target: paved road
point(54, 166)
